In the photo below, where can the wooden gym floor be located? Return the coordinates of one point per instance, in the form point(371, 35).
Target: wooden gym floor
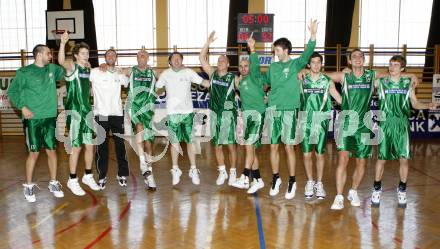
point(209, 216)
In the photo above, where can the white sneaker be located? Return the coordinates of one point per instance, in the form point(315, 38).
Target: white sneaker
point(149, 181)
point(176, 173)
point(73, 185)
point(242, 182)
point(255, 186)
point(29, 192)
point(401, 197)
point(222, 176)
point(55, 188)
point(338, 203)
point(375, 198)
point(275, 188)
point(354, 198)
point(143, 165)
point(88, 180)
point(290, 192)
point(309, 190)
point(232, 176)
point(319, 190)
point(194, 174)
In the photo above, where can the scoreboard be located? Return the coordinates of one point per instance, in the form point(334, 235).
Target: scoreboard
point(260, 24)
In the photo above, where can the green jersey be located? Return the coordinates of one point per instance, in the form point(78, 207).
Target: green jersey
point(315, 94)
point(221, 93)
point(357, 92)
point(283, 79)
point(395, 97)
point(35, 88)
point(142, 87)
point(251, 87)
point(78, 91)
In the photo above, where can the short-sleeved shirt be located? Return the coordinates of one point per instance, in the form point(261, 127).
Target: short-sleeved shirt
point(178, 87)
point(107, 92)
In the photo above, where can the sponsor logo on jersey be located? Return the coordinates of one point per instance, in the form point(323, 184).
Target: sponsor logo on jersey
point(396, 91)
point(142, 78)
point(220, 83)
point(314, 90)
point(84, 75)
point(359, 86)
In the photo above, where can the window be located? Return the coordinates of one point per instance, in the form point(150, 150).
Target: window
point(20, 31)
point(394, 23)
point(126, 25)
point(292, 18)
point(191, 21)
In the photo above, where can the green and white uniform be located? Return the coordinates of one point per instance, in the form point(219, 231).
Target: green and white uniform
point(316, 108)
point(142, 97)
point(284, 96)
point(35, 88)
point(179, 102)
point(223, 108)
point(395, 103)
point(252, 103)
point(356, 98)
point(80, 122)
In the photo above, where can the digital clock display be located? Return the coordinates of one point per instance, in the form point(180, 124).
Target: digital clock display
point(261, 25)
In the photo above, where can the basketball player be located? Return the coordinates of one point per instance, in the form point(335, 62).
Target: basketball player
point(33, 91)
point(316, 108)
point(223, 111)
point(250, 84)
point(142, 97)
point(177, 83)
point(80, 121)
point(284, 101)
point(109, 115)
point(396, 96)
point(357, 89)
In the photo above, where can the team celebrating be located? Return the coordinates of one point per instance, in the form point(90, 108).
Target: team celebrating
point(288, 104)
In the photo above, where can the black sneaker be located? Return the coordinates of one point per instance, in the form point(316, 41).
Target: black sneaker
point(102, 182)
point(122, 180)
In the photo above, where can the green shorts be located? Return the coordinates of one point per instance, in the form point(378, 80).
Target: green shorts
point(146, 119)
point(395, 143)
point(223, 127)
point(282, 126)
point(80, 130)
point(180, 127)
point(40, 132)
point(253, 123)
point(356, 143)
point(314, 136)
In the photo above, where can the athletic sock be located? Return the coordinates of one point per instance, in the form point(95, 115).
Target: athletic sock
point(377, 185)
point(402, 186)
point(256, 174)
point(246, 172)
point(88, 171)
point(72, 176)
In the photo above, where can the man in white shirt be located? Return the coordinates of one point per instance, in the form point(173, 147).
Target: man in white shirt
point(106, 86)
point(177, 82)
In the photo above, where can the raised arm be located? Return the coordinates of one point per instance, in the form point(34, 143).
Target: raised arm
point(67, 64)
point(304, 58)
point(334, 93)
point(254, 63)
point(203, 57)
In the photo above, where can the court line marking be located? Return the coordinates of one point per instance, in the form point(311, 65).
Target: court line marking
point(259, 222)
point(375, 225)
point(120, 217)
point(57, 210)
point(82, 219)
